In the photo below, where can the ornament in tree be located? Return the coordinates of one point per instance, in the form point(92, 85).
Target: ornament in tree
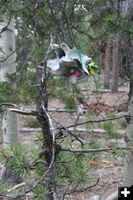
point(70, 62)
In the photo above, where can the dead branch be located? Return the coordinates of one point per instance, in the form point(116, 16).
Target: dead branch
point(61, 110)
point(61, 127)
point(25, 112)
point(76, 137)
point(97, 150)
point(101, 131)
point(17, 186)
point(78, 190)
point(85, 189)
point(99, 120)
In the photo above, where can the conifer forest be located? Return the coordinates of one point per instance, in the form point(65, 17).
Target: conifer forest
point(66, 99)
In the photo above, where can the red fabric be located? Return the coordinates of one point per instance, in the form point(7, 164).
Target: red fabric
point(77, 73)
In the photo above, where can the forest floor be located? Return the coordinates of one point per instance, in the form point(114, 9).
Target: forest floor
point(107, 168)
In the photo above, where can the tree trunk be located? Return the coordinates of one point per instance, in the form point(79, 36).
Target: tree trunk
point(10, 128)
point(107, 67)
point(49, 144)
point(115, 63)
point(128, 176)
point(127, 8)
point(127, 11)
point(8, 58)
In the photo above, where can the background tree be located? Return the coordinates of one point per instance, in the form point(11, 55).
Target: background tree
point(127, 13)
point(8, 68)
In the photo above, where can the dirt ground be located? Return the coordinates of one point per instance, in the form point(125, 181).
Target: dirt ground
point(110, 175)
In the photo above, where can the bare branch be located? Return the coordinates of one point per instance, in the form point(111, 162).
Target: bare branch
point(61, 110)
point(23, 184)
point(99, 120)
point(70, 133)
point(79, 190)
point(24, 112)
point(85, 189)
point(97, 150)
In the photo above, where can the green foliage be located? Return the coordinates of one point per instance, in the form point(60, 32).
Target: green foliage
point(70, 169)
point(3, 187)
point(110, 131)
point(119, 153)
point(7, 93)
point(86, 28)
point(108, 21)
point(20, 160)
point(35, 152)
point(115, 153)
point(92, 145)
point(69, 102)
point(123, 123)
point(108, 126)
point(37, 161)
point(28, 89)
point(39, 192)
point(16, 158)
point(15, 90)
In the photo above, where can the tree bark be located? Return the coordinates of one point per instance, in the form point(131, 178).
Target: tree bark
point(49, 145)
point(127, 8)
point(8, 58)
point(107, 67)
point(10, 128)
point(128, 176)
point(115, 63)
point(127, 11)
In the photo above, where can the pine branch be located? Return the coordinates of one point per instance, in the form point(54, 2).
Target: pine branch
point(41, 178)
